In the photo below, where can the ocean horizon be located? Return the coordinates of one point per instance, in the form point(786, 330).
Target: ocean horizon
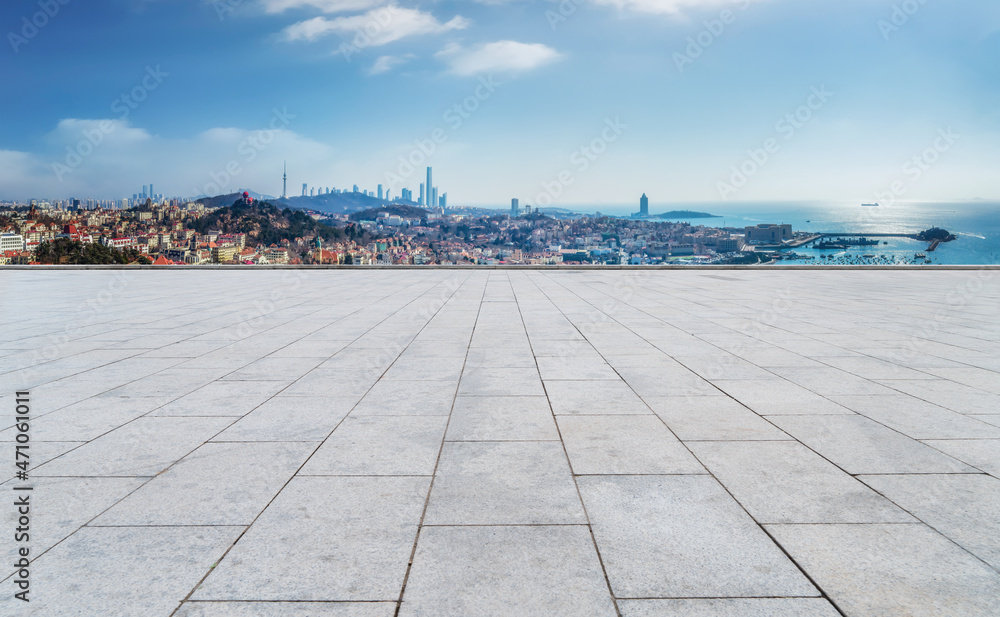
point(975, 224)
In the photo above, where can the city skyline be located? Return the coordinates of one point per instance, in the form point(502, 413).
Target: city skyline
point(574, 103)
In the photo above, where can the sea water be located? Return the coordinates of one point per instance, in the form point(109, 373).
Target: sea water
point(975, 224)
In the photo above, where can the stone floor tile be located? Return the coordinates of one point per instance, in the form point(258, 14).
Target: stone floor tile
point(271, 368)
point(503, 483)
point(575, 368)
point(859, 445)
point(217, 484)
point(594, 398)
point(408, 398)
point(502, 418)
point(963, 507)
point(683, 536)
point(546, 571)
point(223, 398)
point(918, 419)
point(290, 418)
point(777, 396)
point(63, 506)
point(711, 418)
point(287, 609)
point(121, 571)
point(948, 394)
point(624, 445)
point(340, 539)
point(143, 447)
point(380, 446)
point(500, 382)
point(738, 607)
point(785, 482)
point(879, 570)
point(993, 419)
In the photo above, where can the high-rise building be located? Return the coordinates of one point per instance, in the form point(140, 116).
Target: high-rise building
point(644, 206)
point(430, 189)
point(380, 191)
point(304, 187)
point(515, 207)
point(444, 201)
point(312, 192)
point(421, 202)
point(152, 195)
point(434, 197)
point(355, 188)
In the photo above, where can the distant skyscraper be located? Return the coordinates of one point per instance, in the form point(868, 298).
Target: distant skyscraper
point(284, 181)
point(430, 189)
point(515, 207)
point(304, 188)
point(312, 192)
point(152, 195)
point(355, 188)
point(434, 197)
point(421, 202)
point(380, 191)
point(644, 206)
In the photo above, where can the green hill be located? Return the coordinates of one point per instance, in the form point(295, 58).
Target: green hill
point(264, 223)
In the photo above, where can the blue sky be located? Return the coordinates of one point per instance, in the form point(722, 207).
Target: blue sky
point(579, 102)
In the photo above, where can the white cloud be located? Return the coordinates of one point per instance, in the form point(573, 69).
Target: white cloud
point(501, 56)
point(108, 132)
point(385, 63)
point(71, 164)
point(326, 6)
point(378, 27)
point(670, 7)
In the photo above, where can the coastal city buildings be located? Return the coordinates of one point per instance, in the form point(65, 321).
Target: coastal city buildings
point(177, 233)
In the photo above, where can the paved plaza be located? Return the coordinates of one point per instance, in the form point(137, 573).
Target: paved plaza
point(522, 443)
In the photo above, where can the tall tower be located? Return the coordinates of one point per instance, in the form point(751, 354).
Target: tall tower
point(304, 186)
point(422, 202)
point(284, 181)
point(429, 189)
point(515, 207)
point(644, 206)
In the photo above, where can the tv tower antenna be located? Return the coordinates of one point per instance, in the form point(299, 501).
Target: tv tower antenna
point(284, 182)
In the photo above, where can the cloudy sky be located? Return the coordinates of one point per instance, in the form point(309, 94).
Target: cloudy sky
point(572, 102)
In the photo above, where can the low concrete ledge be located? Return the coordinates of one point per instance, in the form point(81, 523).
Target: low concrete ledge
point(761, 268)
